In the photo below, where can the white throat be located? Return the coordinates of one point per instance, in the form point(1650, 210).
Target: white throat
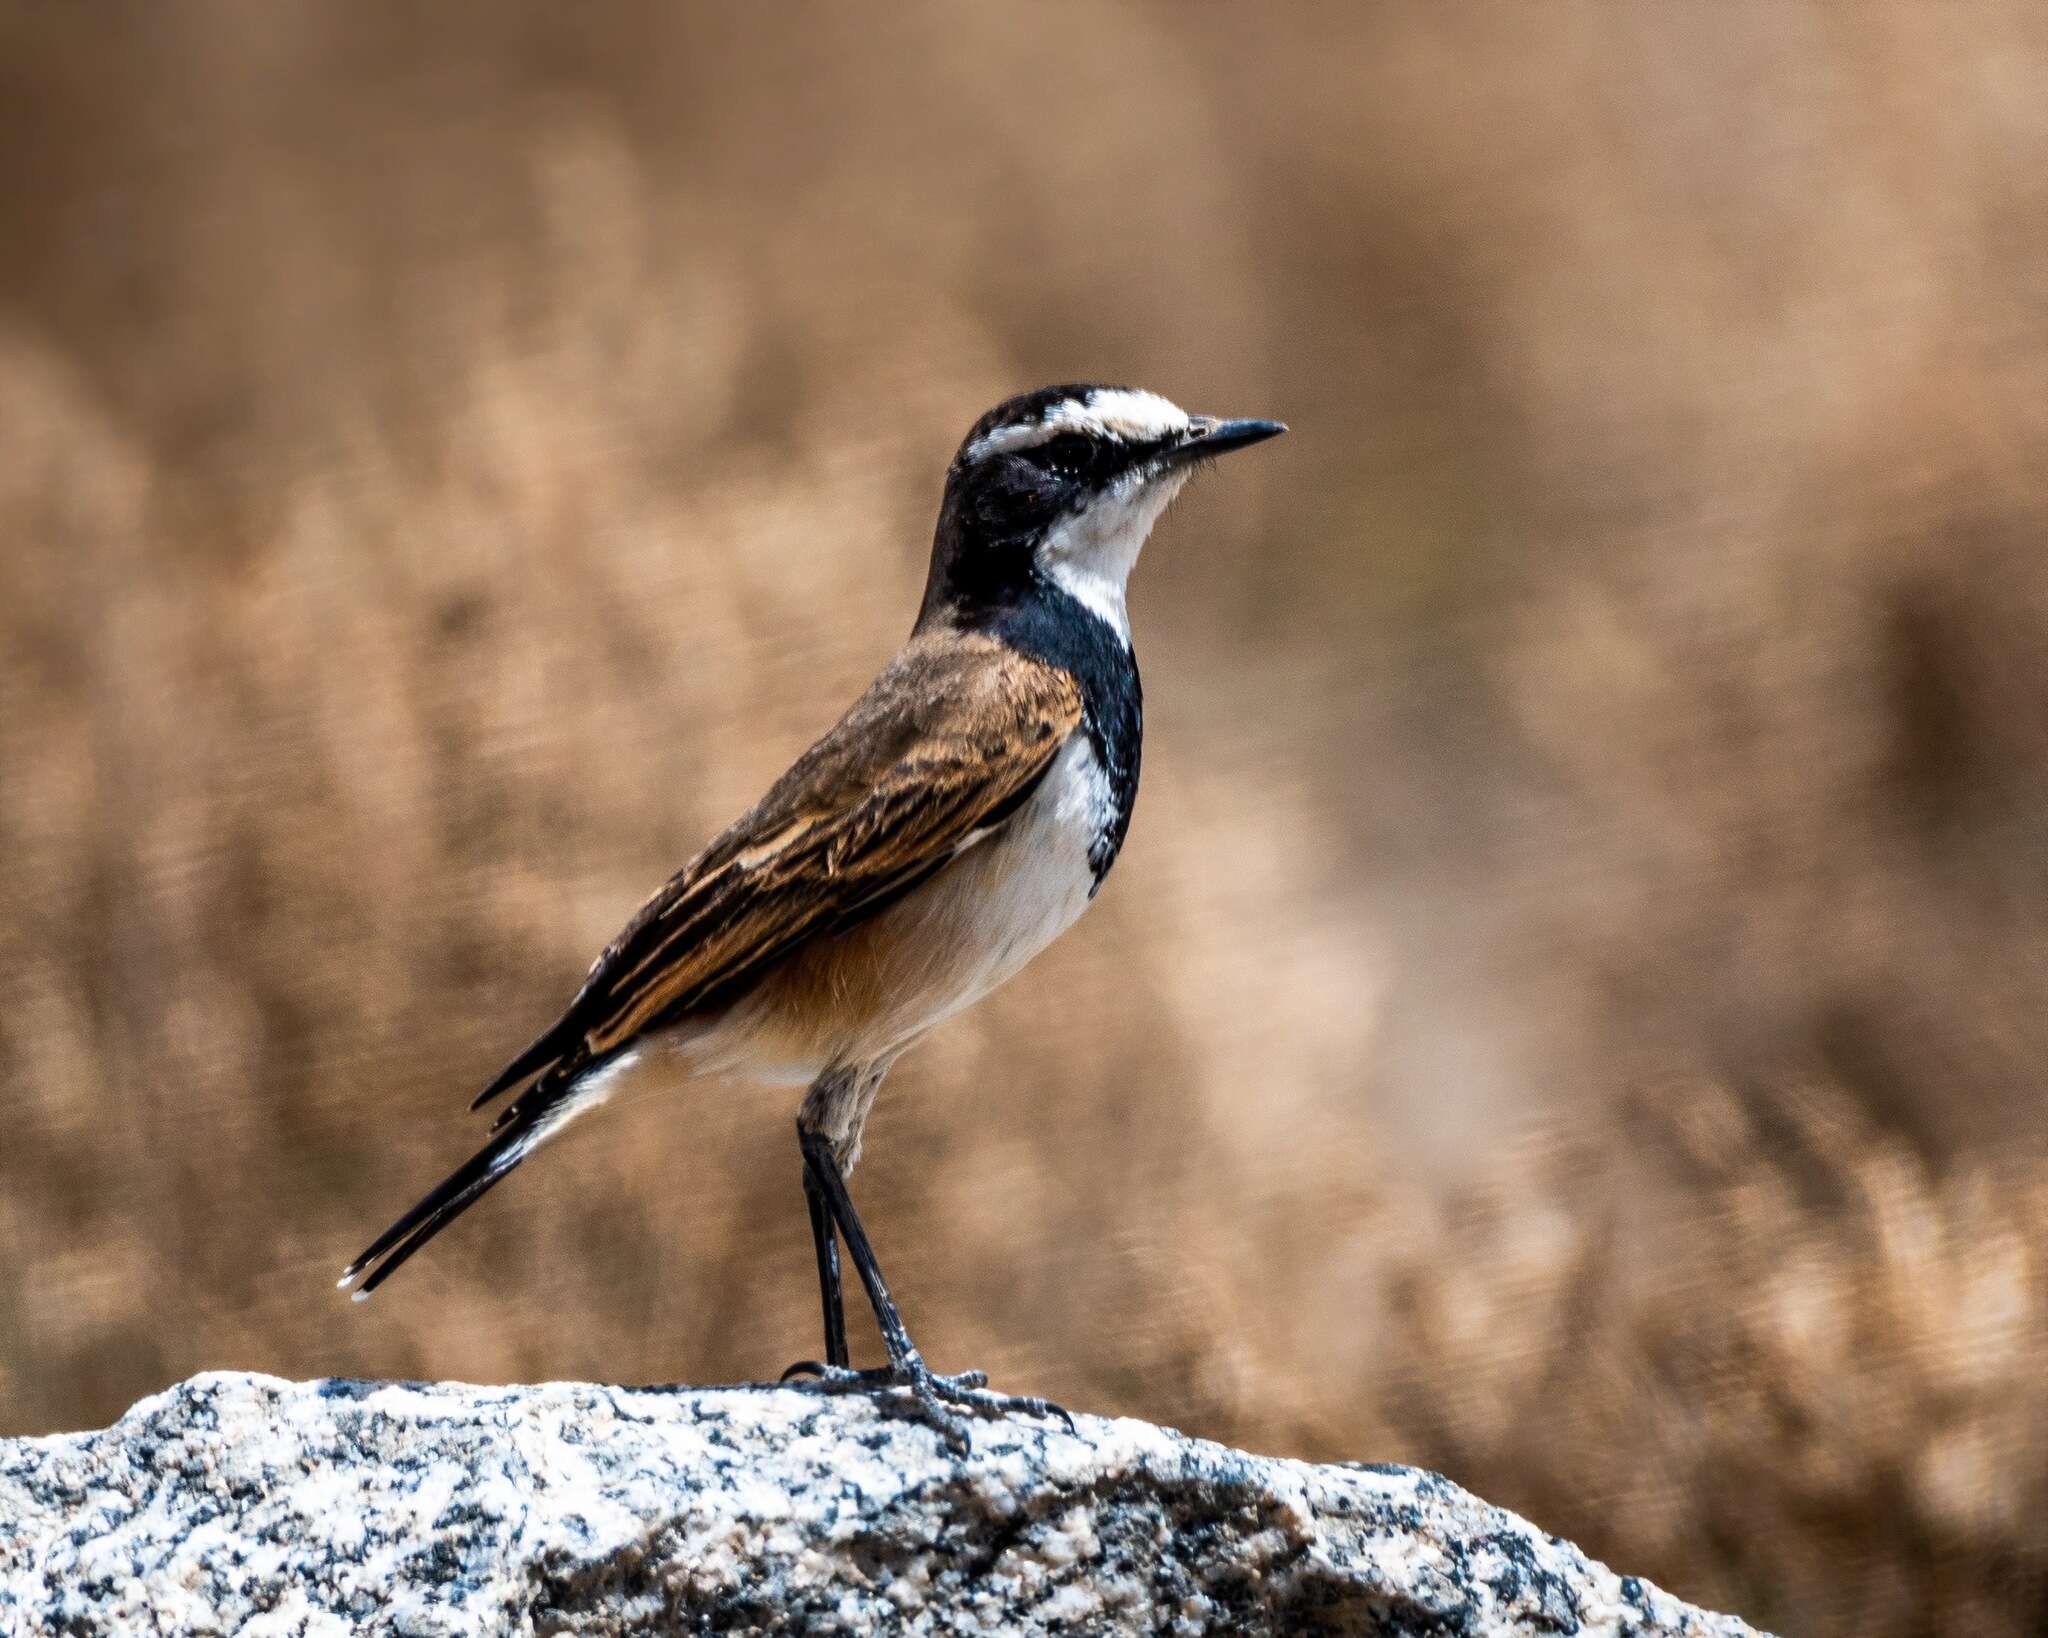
point(1091, 554)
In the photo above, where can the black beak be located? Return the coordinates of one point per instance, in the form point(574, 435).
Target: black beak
point(1208, 436)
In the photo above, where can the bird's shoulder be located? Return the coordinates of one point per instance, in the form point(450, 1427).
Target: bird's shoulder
point(951, 715)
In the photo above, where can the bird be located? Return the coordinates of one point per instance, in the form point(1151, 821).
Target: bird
point(958, 818)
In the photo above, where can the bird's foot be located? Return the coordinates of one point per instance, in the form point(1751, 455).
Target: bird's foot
point(939, 1398)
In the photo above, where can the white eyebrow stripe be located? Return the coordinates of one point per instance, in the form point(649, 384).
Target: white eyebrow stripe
point(1018, 435)
point(1124, 413)
point(1136, 417)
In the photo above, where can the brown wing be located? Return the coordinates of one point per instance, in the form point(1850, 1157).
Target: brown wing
point(948, 743)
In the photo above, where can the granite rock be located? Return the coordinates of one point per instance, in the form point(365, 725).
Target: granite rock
point(246, 1504)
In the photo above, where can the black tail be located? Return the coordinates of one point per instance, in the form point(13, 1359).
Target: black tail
point(519, 1131)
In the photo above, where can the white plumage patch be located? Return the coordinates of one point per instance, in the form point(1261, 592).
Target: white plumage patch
point(1091, 554)
point(1126, 414)
point(581, 1098)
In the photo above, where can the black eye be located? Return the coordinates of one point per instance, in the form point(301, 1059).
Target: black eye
point(1067, 456)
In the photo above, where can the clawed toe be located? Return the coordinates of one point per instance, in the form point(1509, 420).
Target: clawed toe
point(939, 1398)
point(819, 1377)
point(968, 1389)
point(944, 1396)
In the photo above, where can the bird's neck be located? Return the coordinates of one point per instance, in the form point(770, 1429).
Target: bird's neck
point(1061, 614)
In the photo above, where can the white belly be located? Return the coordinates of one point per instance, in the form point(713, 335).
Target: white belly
point(1007, 898)
point(865, 995)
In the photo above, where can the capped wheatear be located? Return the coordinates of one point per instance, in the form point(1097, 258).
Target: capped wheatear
point(952, 824)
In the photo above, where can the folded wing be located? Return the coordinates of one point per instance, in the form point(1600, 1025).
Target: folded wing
point(944, 747)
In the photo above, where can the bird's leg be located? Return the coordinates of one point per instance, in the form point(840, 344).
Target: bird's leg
point(820, 1165)
point(906, 1366)
point(825, 1241)
point(837, 1104)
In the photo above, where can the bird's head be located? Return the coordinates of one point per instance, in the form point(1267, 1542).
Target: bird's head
point(1061, 487)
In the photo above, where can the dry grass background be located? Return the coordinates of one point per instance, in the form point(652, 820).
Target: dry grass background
point(1572, 1010)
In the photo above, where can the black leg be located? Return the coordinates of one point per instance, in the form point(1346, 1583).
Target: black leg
point(825, 1240)
point(819, 1165)
point(824, 1182)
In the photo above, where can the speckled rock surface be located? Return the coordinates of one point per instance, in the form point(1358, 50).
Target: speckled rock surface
point(246, 1504)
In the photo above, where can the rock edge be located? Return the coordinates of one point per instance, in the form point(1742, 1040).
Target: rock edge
point(248, 1504)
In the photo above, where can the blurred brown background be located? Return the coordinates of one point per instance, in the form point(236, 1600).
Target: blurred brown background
point(1574, 1009)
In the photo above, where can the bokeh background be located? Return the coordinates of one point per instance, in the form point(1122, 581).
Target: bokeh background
point(1574, 1008)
